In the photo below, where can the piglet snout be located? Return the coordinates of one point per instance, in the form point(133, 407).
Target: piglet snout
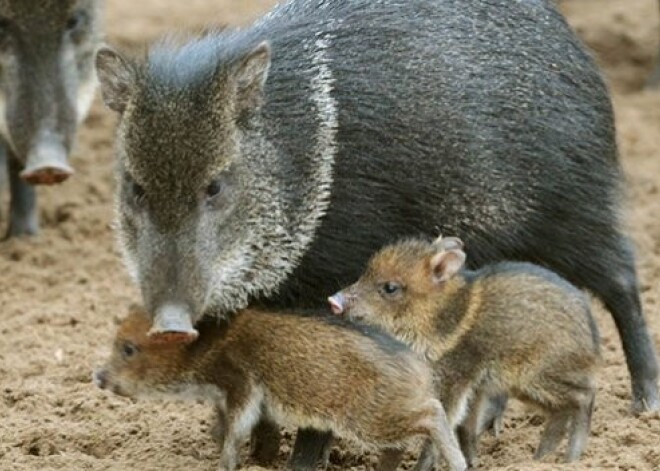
point(338, 303)
point(100, 378)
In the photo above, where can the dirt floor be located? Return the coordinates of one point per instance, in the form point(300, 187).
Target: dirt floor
point(61, 293)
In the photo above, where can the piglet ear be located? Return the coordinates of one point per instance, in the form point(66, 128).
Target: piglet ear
point(451, 243)
point(250, 74)
point(446, 263)
point(447, 243)
point(115, 77)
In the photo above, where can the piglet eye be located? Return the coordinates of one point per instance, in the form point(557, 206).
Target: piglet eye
point(214, 188)
point(128, 350)
point(390, 288)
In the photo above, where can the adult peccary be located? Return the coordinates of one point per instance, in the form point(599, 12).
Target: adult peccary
point(47, 82)
point(267, 164)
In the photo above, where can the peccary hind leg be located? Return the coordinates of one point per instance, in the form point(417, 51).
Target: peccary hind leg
point(620, 294)
point(265, 442)
point(608, 271)
point(493, 415)
point(484, 410)
point(311, 447)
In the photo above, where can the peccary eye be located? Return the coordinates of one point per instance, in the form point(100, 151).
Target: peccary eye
point(214, 188)
point(390, 288)
point(218, 194)
point(128, 350)
point(138, 191)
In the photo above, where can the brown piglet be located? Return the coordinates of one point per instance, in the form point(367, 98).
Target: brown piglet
point(505, 329)
point(314, 372)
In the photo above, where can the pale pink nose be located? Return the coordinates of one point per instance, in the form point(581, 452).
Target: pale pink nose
point(337, 303)
point(47, 164)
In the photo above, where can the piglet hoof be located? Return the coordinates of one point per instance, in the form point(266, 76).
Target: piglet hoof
point(172, 324)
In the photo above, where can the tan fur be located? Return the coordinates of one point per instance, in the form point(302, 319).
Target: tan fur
point(508, 329)
point(298, 371)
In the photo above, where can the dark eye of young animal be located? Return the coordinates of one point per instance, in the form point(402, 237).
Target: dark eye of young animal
point(214, 188)
point(128, 350)
point(390, 289)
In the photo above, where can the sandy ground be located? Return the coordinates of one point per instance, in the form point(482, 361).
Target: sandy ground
point(61, 293)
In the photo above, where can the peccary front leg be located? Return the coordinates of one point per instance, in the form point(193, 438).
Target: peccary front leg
point(311, 447)
point(220, 426)
point(475, 422)
point(580, 428)
point(230, 448)
point(23, 219)
point(240, 416)
point(426, 460)
point(554, 431)
point(441, 441)
point(264, 443)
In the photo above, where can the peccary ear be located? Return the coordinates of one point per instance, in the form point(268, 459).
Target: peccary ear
point(447, 262)
point(116, 78)
point(250, 76)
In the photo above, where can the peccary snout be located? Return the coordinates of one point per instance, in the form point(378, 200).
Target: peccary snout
point(340, 302)
point(99, 377)
point(173, 322)
point(47, 163)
